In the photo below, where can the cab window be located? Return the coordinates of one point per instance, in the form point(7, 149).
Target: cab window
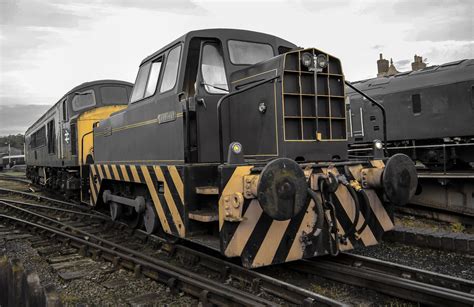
point(112, 95)
point(248, 53)
point(51, 136)
point(153, 78)
point(140, 82)
point(147, 80)
point(64, 107)
point(171, 70)
point(213, 71)
point(82, 100)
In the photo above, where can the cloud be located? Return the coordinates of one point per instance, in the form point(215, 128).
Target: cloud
point(35, 13)
point(18, 117)
point(322, 5)
point(450, 51)
point(429, 20)
point(28, 26)
point(19, 45)
point(377, 47)
point(458, 28)
point(402, 65)
point(402, 62)
point(173, 6)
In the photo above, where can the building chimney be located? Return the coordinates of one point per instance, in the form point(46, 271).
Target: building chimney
point(392, 70)
point(382, 67)
point(418, 63)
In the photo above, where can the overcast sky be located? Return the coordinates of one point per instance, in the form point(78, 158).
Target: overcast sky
point(48, 47)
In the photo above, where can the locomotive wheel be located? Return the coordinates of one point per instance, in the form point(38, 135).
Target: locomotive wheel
point(115, 211)
point(282, 189)
point(150, 219)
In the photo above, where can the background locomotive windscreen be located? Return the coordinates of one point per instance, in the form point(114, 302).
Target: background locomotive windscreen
point(48, 47)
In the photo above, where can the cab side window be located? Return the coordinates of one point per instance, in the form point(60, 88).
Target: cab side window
point(213, 71)
point(64, 109)
point(51, 136)
point(140, 82)
point(170, 73)
point(153, 78)
point(147, 80)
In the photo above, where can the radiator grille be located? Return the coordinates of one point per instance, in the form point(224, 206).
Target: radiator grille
point(307, 115)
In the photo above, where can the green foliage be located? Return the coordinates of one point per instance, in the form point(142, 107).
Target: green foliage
point(15, 141)
point(457, 227)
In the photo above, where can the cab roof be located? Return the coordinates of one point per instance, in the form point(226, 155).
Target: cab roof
point(224, 34)
point(75, 89)
point(98, 82)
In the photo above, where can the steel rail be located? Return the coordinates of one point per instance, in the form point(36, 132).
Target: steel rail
point(50, 200)
point(15, 178)
point(189, 282)
point(392, 279)
point(275, 287)
point(21, 203)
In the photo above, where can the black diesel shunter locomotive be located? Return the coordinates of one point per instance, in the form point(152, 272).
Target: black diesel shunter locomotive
point(237, 140)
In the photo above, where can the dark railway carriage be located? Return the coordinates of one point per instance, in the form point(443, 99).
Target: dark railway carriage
point(237, 140)
point(59, 144)
point(10, 161)
point(430, 114)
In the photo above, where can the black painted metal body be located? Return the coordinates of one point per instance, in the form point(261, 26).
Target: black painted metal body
point(200, 94)
point(192, 134)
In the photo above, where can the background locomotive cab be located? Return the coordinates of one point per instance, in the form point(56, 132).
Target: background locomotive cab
point(59, 144)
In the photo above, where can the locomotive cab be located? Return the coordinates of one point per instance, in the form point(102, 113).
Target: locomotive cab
point(237, 140)
point(59, 145)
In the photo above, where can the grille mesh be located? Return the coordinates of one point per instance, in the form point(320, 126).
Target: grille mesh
point(311, 116)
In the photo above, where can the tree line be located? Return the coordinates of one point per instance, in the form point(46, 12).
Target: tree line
point(16, 141)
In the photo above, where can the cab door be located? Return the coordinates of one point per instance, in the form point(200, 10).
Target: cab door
point(211, 85)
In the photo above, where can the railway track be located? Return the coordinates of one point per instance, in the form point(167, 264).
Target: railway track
point(207, 290)
point(14, 178)
point(384, 277)
point(393, 279)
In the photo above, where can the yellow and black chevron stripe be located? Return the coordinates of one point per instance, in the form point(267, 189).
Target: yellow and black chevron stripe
point(164, 183)
point(259, 240)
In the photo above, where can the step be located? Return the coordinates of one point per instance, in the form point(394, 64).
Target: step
point(205, 216)
point(207, 190)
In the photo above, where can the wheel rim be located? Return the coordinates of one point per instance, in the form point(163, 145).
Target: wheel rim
point(115, 211)
point(150, 219)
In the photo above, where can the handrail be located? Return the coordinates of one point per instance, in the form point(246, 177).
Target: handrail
point(219, 111)
point(82, 144)
point(382, 109)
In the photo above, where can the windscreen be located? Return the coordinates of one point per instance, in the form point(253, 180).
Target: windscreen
point(248, 53)
point(112, 95)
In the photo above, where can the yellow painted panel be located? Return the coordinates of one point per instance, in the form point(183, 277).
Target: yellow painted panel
point(84, 125)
